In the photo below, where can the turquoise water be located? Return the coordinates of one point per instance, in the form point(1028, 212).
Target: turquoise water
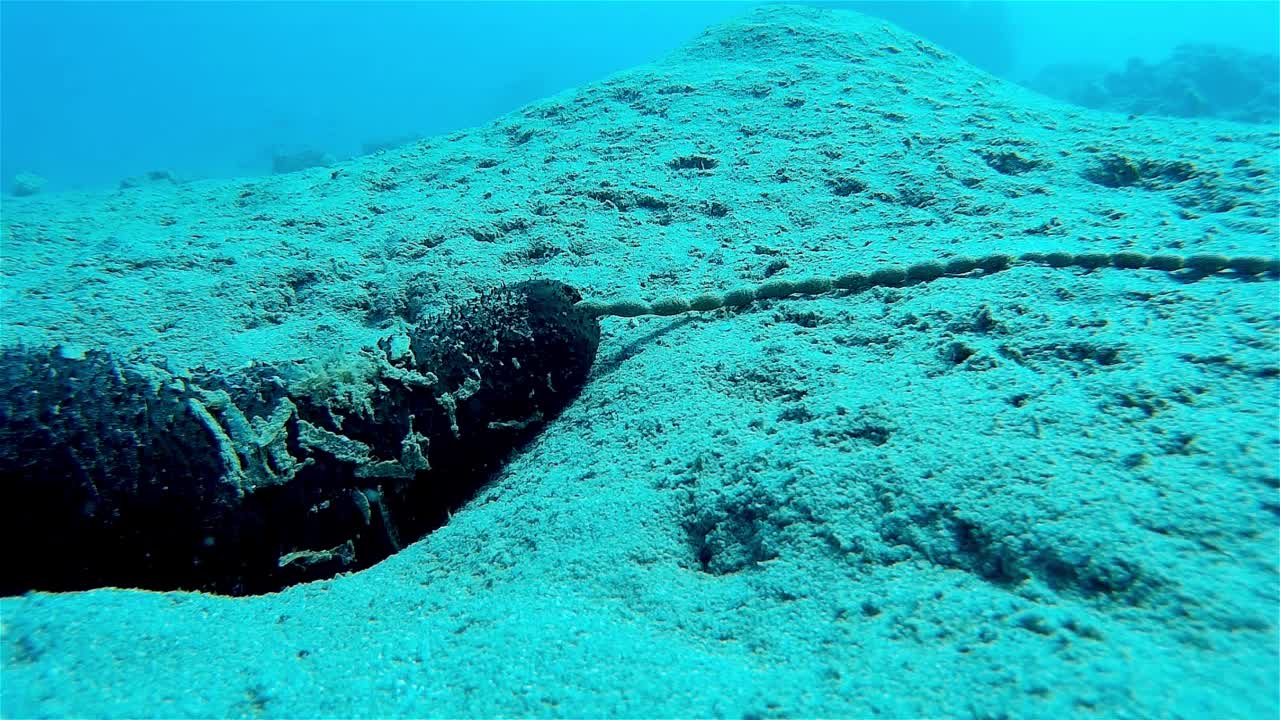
point(96, 93)
point(936, 374)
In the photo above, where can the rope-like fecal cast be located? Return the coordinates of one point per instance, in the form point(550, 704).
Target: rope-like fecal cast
point(1193, 266)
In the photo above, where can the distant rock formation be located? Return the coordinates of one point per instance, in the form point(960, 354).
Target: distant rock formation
point(1195, 81)
point(287, 162)
point(25, 184)
point(150, 177)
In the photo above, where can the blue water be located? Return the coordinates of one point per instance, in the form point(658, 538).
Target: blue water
point(97, 92)
point(640, 360)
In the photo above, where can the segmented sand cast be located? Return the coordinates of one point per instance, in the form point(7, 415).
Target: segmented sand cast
point(1192, 267)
